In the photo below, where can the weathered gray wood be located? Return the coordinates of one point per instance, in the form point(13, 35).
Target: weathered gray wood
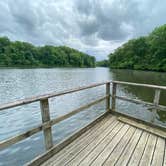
point(149, 150)
point(152, 130)
point(54, 94)
point(45, 125)
point(83, 140)
point(114, 86)
point(140, 85)
point(115, 154)
point(20, 137)
point(164, 162)
point(156, 102)
point(42, 158)
point(110, 147)
point(158, 156)
point(160, 107)
point(128, 151)
point(137, 154)
point(108, 98)
point(46, 96)
point(44, 104)
point(130, 117)
point(122, 146)
point(76, 159)
point(92, 155)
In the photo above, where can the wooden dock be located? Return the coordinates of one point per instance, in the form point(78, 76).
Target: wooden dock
point(112, 142)
point(113, 138)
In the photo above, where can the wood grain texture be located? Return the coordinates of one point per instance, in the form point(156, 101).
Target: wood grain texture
point(108, 98)
point(80, 142)
point(111, 142)
point(85, 152)
point(149, 150)
point(158, 157)
point(142, 126)
point(45, 112)
point(115, 154)
point(138, 152)
point(128, 151)
point(114, 87)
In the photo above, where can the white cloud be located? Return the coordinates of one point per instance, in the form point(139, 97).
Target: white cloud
point(93, 26)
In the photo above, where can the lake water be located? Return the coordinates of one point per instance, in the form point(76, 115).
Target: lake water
point(20, 83)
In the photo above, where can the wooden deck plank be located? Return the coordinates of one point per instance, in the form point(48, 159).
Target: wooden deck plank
point(149, 150)
point(111, 142)
point(164, 164)
point(111, 160)
point(128, 151)
point(142, 126)
point(110, 147)
point(138, 152)
point(158, 157)
point(76, 159)
point(67, 160)
point(78, 144)
point(92, 155)
point(95, 143)
point(85, 136)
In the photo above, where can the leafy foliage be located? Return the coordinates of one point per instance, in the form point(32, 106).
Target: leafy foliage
point(144, 53)
point(103, 63)
point(25, 54)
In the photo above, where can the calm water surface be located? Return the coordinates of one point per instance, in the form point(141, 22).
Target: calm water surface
point(20, 83)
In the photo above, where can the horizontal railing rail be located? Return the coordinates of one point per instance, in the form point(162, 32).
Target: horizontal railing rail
point(47, 122)
point(154, 106)
point(46, 96)
point(140, 85)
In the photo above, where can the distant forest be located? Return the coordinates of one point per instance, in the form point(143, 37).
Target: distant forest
point(143, 53)
point(22, 54)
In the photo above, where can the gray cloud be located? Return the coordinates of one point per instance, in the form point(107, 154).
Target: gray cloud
point(93, 26)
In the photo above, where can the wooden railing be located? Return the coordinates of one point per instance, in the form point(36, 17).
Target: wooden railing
point(154, 106)
point(47, 122)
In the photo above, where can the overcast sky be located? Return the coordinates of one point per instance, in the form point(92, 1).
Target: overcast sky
point(96, 27)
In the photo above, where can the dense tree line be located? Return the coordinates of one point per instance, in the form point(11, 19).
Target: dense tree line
point(22, 54)
point(103, 63)
point(144, 53)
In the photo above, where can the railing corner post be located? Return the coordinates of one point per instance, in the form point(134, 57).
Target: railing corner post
point(156, 103)
point(44, 105)
point(108, 96)
point(114, 86)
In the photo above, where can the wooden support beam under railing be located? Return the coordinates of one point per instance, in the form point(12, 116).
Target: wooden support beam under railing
point(45, 112)
point(108, 98)
point(114, 87)
point(156, 103)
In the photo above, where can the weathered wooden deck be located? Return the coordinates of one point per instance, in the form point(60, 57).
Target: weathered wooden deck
point(112, 142)
point(113, 138)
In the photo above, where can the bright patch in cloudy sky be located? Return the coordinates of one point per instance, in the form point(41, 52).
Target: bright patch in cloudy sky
point(96, 27)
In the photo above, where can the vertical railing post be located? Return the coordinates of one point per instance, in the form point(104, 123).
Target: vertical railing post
point(156, 102)
point(44, 105)
point(108, 96)
point(114, 86)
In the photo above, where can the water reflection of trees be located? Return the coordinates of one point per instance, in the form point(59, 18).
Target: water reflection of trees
point(145, 94)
